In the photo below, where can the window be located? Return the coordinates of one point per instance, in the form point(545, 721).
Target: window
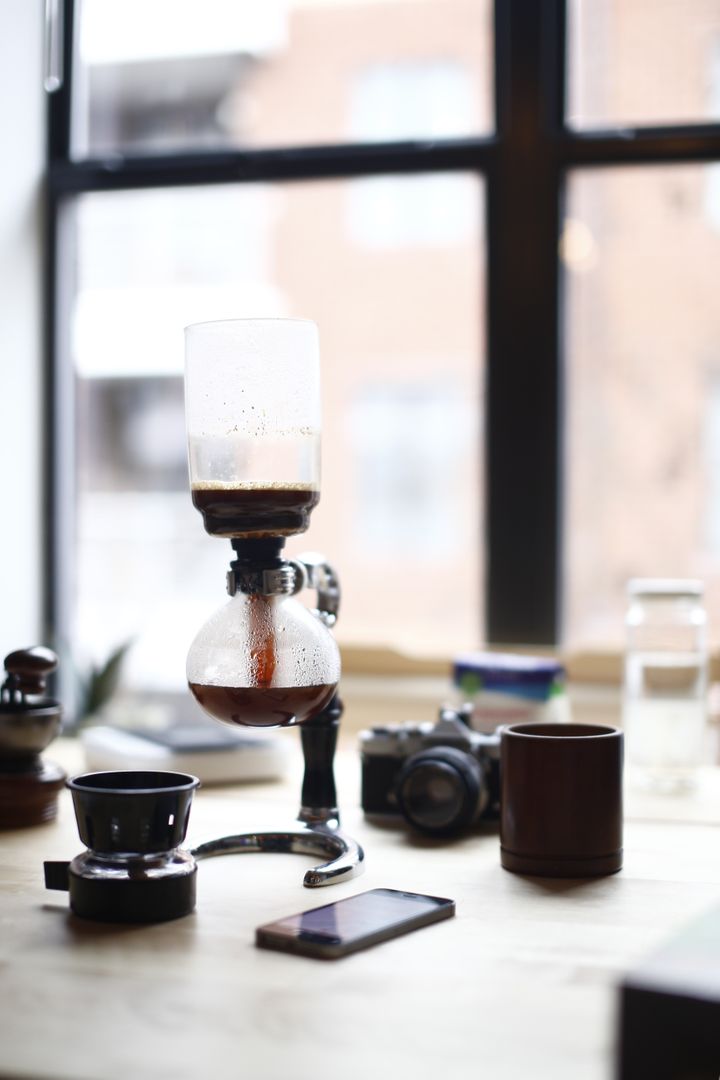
point(277, 73)
point(428, 211)
point(415, 99)
point(508, 240)
point(642, 63)
point(643, 344)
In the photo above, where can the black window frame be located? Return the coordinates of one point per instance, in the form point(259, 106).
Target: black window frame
point(524, 164)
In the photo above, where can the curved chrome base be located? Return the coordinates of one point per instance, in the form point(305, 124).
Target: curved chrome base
point(325, 838)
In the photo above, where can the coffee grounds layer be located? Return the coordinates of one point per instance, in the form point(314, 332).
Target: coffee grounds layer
point(262, 706)
point(255, 511)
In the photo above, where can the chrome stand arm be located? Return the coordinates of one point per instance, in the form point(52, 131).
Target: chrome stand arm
point(345, 855)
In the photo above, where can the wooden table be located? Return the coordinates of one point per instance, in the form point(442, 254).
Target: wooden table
point(520, 984)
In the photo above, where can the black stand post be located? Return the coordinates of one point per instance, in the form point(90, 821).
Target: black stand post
point(318, 801)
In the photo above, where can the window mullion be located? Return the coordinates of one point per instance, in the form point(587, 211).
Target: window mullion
point(60, 100)
point(296, 163)
point(523, 429)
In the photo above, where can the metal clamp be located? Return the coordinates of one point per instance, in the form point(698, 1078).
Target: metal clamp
point(308, 570)
point(278, 581)
point(319, 574)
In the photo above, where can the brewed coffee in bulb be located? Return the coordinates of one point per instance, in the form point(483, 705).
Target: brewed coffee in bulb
point(262, 706)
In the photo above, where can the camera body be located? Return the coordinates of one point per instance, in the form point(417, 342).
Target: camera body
point(440, 777)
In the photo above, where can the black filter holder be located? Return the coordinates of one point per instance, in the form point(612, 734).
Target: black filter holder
point(133, 823)
point(128, 811)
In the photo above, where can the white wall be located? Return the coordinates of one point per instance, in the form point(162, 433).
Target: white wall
point(22, 139)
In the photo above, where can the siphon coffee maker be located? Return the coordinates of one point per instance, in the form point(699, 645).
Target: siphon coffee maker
point(252, 407)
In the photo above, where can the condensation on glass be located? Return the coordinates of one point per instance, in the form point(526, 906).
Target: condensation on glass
point(400, 314)
point(641, 259)
point(635, 63)
point(155, 76)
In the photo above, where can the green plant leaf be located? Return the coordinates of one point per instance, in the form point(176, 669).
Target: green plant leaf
point(103, 682)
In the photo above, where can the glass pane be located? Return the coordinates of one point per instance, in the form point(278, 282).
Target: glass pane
point(643, 62)
point(641, 248)
point(155, 76)
point(392, 271)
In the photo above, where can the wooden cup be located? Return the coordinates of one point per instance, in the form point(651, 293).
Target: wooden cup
point(561, 799)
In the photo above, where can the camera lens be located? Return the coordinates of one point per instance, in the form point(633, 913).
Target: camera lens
point(440, 791)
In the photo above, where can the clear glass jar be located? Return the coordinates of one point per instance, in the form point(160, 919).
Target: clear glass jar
point(665, 681)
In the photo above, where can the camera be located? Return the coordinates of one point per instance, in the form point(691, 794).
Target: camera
point(440, 777)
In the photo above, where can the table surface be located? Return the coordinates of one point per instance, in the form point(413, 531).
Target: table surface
point(521, 983)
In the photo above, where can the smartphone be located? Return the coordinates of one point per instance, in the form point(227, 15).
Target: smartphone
point(357, 922)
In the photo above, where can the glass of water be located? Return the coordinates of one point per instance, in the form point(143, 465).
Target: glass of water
point(665, 681)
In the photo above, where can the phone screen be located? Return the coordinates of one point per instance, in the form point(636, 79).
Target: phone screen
point(355, 923)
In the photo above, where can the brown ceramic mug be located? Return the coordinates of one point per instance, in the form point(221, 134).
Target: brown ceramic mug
point(561, 799)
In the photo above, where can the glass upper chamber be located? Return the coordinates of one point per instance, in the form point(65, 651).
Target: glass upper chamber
point(252, 408)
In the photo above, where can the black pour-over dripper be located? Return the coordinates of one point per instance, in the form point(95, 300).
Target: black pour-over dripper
point(134, 870)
